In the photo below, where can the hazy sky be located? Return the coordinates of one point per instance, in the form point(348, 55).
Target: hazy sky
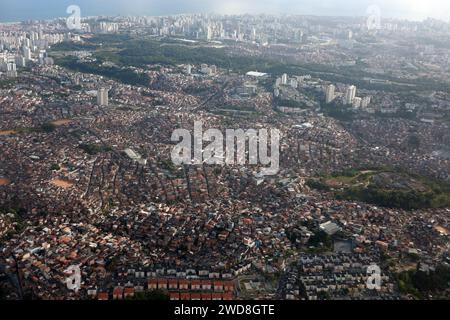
point(14, 10)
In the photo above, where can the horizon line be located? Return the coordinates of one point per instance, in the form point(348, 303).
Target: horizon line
point(224, 15)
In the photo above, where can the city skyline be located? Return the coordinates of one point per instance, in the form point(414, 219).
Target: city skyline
point(47, 9)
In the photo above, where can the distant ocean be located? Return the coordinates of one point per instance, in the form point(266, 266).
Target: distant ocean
point(23, 10)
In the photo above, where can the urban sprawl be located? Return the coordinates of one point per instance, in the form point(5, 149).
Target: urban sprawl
point(87, 179)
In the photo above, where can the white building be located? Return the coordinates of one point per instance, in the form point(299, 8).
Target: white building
point(278, 82)
point(102, 97)
point(108, 27)
point(357, 102)
point(350, 95)
point(330, 93)
point(330, 228)
point(27, 53)
point(256, 74)
point(133, 155)
point(11, 70)
point(294, 83)
point(365, 102)
point(209, 33)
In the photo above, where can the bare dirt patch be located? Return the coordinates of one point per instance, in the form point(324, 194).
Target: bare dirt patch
point(61, 122)
point(7, 132)
point(442, 230)
point(4, 182)
point(61, 183)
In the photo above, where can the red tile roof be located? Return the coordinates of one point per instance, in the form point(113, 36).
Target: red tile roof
point(206, 296)
point(128, 291)
point(196, 296)
point(102, 296)
point(227, 296)
point(185, 296)
point(174, 296)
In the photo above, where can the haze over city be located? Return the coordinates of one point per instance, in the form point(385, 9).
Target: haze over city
point(44, 9)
